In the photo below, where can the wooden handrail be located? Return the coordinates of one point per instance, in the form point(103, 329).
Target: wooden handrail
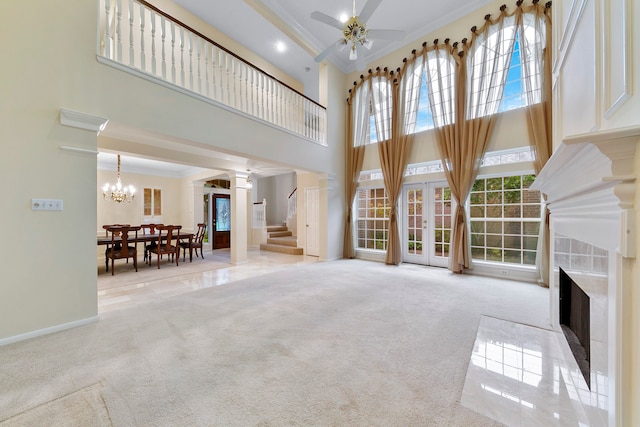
point(199, 34)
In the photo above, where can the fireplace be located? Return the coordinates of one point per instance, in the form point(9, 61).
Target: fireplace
point(590, 184)
point(574, 317)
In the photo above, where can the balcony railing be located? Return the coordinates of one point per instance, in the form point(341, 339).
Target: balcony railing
point(138, 37)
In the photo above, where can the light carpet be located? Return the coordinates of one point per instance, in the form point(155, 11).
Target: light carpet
point(349, 342)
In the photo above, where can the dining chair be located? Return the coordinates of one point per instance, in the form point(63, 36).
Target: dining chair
point(167, 243)
point(150, 229)
point(120, 245)
point(195, 243)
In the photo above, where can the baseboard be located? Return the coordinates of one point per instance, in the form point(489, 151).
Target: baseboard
point(50, 330)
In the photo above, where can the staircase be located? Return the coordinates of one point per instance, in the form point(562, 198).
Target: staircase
point(281, 240)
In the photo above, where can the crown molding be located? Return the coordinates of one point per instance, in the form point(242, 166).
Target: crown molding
point(81, 120)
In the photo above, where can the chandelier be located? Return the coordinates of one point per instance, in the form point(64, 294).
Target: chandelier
point(118, 192)
point(355, 34)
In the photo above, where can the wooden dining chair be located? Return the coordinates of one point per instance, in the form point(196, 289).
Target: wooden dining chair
point(123, 245)
point(194, 243)
point(167, 243)
point(150, 229)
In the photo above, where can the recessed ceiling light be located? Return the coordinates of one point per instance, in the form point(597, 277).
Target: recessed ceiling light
point(281, 47)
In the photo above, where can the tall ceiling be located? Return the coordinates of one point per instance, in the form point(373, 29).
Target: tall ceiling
point(260, 25)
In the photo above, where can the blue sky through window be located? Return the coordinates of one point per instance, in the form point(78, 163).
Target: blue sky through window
point(513, 96)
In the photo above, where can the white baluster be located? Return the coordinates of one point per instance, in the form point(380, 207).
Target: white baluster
point(163, 41)
point(228, 79)
point(278, 104)
point(108, 41)
point(234, 64)
point(119, 30)
point(244, 86)
point(182, 75)
point(252, 91)
point(239, 67)
point(143, 59)
point(199, 66)
point(153, 43)
point(190, 40)
point(132, 60)
point(172, 25)
point(206, 68)
point(214, 70)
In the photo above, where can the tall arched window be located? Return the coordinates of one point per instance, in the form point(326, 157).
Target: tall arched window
point(487, 67)
point(382, 106)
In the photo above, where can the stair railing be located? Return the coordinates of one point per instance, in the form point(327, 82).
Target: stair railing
point(292, 211)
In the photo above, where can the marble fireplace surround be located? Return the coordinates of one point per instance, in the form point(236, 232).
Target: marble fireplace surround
point(591, 190)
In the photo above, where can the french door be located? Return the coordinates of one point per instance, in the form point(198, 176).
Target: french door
point(427, 210)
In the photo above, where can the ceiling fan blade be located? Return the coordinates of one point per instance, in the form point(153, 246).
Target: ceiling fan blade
point(361, 63)
point(335, 46)
point(323, 17)
point(395, 35)
point(368, 10)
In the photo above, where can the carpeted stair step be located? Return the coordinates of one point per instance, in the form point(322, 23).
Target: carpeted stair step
point(281, 248)
point(280, 234)
point(284, 241)
point(274, 228)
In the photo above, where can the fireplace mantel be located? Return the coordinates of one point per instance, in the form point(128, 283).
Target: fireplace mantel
point(591, 176)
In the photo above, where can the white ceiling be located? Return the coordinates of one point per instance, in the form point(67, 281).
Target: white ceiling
point(260, 24)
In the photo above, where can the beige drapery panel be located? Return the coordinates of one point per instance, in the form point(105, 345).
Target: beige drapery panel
point(534, 30)
point(394, 151)
point(465, 118)
point(356, 138)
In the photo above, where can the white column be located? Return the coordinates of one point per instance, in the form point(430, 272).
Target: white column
point(239, 208)
point(328, 242)
point(198, 204)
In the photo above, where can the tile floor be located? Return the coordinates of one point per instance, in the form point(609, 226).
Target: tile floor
point(519, 375)
point(128, 288)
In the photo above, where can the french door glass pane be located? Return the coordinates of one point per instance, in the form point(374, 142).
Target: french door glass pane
point(414, 222)
point(223, 217)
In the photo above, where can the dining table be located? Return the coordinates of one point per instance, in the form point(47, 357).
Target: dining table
point(141, 238)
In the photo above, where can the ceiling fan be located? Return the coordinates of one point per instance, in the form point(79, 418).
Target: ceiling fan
point(355, 34)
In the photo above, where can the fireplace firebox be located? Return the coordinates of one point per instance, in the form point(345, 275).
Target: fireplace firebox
point(575, 322)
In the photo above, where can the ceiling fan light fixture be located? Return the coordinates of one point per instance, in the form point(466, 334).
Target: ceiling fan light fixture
point(342, 44)
point(353, 55)
point(368, 44)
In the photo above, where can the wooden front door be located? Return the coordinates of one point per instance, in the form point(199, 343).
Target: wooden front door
point(221, 230)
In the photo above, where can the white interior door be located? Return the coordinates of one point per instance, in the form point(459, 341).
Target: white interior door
point(426, 225)
point(312, 221)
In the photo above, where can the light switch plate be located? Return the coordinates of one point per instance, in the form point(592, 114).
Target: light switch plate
point(46, 205)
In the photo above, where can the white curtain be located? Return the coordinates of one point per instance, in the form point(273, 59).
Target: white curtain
point(381, 105)
point(487, 67)
point(360, 112)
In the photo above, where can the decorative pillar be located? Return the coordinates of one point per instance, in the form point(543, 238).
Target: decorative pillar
point(239, 209)
point(197, 215)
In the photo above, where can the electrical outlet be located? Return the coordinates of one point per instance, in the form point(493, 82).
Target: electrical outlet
point(46, 205)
